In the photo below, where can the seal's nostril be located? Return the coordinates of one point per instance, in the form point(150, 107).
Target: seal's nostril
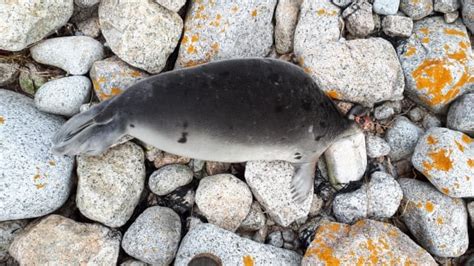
point(205, 259)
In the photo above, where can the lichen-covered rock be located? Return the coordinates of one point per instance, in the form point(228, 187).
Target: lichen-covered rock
point(438, 222)
point(270, 182)
point(386, 7)
point(416, 9)
point(8, 231)
point(402, 137)
point(364, 71)
point(446, 158)
point(446, 6)
point(168, 178)
point(397, 26)
point(438, 63)
point(73, 54)
point(154, 236)
point(207, 240)
point(286, 17)
point(217, 30)
point(224, 199)
point(110, 185)
point(26, 22)
point(141, 33)
point(359, 19)
point(33, 182)
point(468, 14)
point(376, 146)
point(8, 73)
point(173, 5)
point(56, 240)
point(366, 242)
point(461, 114)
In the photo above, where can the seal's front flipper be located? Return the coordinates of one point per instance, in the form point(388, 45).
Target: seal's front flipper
point(303, 181)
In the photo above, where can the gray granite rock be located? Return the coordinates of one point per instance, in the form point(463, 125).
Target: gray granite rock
point(342, 3)
point(386, 7)
point(275, 239)
point(397, 26)
point(132, 262)
point(33, 182)
point(416, 9)
point(359, 19)
point(402, 137)
point(451, 16)
point(470, 209)
point(173, 5)
point(154, 236)
point(430, 121)
point(74, 54)
point(446, 6)
point(416, 114)
point(86, 3)
point(230, 249)
point(90, 27)
point(255, 220)
point(376, 146)
point(461, 114)
point(25, 22)
point(468, 14)
point(8, 73)
point(110, 185)
point(383, 112)
point(286, 17)
point(438, 222)
point(168, 178)
point(8, 231)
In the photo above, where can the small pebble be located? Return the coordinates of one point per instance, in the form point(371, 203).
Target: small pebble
point(168, 178)
point(359, 19)
point(430, 121)
point(275, 239)
point(8, 73)
point(383, 112)
point(416, 9)
point(416, 114)
point(402, 138)
point(376, 146)
point(461, 114)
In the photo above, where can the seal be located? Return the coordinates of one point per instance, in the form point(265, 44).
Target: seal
point(228, 111)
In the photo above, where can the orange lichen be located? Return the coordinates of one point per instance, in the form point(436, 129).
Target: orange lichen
point(195, 38)
point(36, 176)
point(410, 51)
point(464, 45)
point(460, 146)
point(431, 140)
point(454, 32)
point(373, 251)
point(425, 40)
point(441, 160)
point(191, 49)
point(113, 91)
point(184, 40)
point(466, 139)
point(40, 186)
point(419, 205)
point(445, 190)
point(333, 94)
point(429, 206)
point(234, 9)
point(254, 13)
point(52, 163)
point(320, 248)
point(456, 184)
point(248, 260)
point(440, 220)
point(470, 162)
point(321, 12)
point(215, 46)
point(2, 120)
point(424, 30)
point(459, 56)
point(135, 74)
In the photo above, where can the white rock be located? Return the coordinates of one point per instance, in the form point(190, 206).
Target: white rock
point(86, 3)
point(386, 7)
point(376, 146)
point(446, 6)
point(359, 19)
point(132, 262)
point(168, 178)
point(416, 114)
point(286, 17)
point(173, 5)
point(397, 26)
point(383, 112)
point(342, 3)
point(416, 9)
point(461, 114)
point(402, 137)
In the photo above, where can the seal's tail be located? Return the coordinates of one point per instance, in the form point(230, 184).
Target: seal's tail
point(89, 133)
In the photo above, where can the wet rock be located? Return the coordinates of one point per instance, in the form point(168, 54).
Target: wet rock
point(56, 240)
point(451, 16)
point(286, 17)
point(255, 220)
point(24, 22)
point(446, 6)
point(468, 14)
point(386, 7)
point(446, 158)
point(173, 5)
point(8, 231)
point(224, 200)
point(437, 61)
point(208, 240)
point(376, 146)
point(168, 178)
point(359, 19)
point(430, 121)
point(438, 222)
point(461, 114)
point(397, 26)
point(34, 181)
point(143, 34)
point(365, 242)
point(90, 27)
point(8, 73)
point(270, 182)
point(154, 236)
point(416, 9)
point(73, 54)
point(402, 138)
point(110, 185)
point(383, 112)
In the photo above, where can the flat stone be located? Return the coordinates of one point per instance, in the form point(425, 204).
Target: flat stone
point(8, 73)
point(8, 231)
point(468, 14)
point(173, 5)
point(73, 54)
point(286, 17)
point(386, 7)
point(402, 137)
point(56, 240)
point(446, 6)
point(34, 182)
point(359, 19)
point(416, 9)
point(397, 26)
point(438, 222)
point(168, 178)
point(461, 114)
point(376, 146)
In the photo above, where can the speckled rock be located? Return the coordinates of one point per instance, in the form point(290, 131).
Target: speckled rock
point(8, 231)
point(286, 17)
point(451, 16)
point(173, 5)
point(386, 7)
point(359, 19)
point(8, 73)
point(397, 26)
point(33, 182)
point(132, 262)
point(416, 9)
point(402, 137)
point(416, 114)
point(154, 236)
point(438, 222)
point(470, 209)
point(270, 182)
point(86, 3)
point(275, 239)
point(346, 160)
point(446, 158)
point(168, 178)
point(161, 158)
point(73, 54)
point(438, 63)
point(376, 146)
point(210, 240)
point(90, 27)
point(255, 220)
point(461, 114)
point(377, 199)
point(364, 71)
point(141, 33)
point(217, 30)
point(63, 96)
point(56, 240)
point(215, 168)
point(367, 242)
point(110, 185)
point(26, 22)
point(430, 121)
point(383, 112)
point(224, 199)
point(342, 3)
point(468, 14)
point(446, 6)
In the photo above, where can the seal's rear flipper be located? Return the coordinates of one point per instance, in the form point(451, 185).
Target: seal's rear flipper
point(302, 182)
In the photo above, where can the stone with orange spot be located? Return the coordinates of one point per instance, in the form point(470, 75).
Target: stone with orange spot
point(443, 156)
point(461, 114)
point(439, 224)
point(416, 9)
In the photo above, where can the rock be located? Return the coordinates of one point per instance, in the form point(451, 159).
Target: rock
point(110, 185)
point(163, 158)
point(430, 121)
point(359, 19)
point(316, 206)
point(86, 3)
point(216, 30)
point(446, 6)
point(168, 178)
point(275, 239)
point(364, 71)
point(470, 209)
point(446, 158)
point(376, 146)
point(342, 3)
point(386, 7)
point(8, 231)
point(438, 62)
point(461, 114)
point(215, 168)
point(208, 240)
point(286, 17)
point(451, 16)
point(56, 240)
point(90, 27)
point(30, 79)
point(255, 220)
point(416, 9)
point(377, 199)
point(468, 14)
point(173, 5)
point(154, 236)
point(270, 182)
point(181, 200)
point(438, 222)
point(346, 159)
point(402, 137)
point(366, 242)
point(224, 199)
point(383, 112)
point(73, 54)
point(8, 73)
point(63, 96)
point(25, 22)
point(142, 34)
point(132, 262)
point(33, 182)
point(397, 26)
point(416, 114)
